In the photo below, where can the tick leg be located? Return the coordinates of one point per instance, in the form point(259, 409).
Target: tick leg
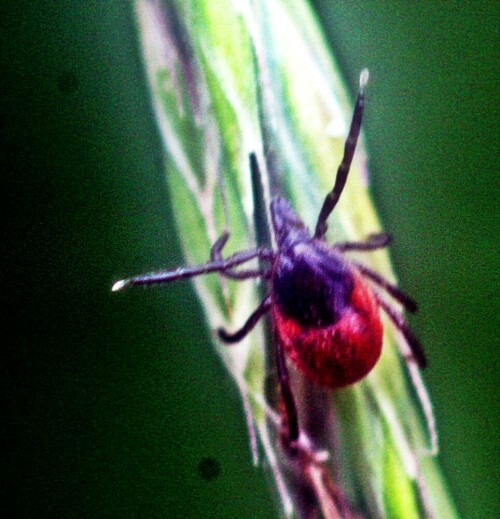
point(400, 323)
point(408, 303)
point(418, 355)
point(373, 242)
point(246, 274)
point(216, 255)
point(287, 394)
point(350, 146)
point(216, 251)
point(167, 276)
point(231, 338)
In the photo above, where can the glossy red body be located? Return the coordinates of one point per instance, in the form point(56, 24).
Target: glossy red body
point(340, 354)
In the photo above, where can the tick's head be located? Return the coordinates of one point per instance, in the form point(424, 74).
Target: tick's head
point(288, 227)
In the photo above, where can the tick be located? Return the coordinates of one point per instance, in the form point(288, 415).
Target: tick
point(325, 307)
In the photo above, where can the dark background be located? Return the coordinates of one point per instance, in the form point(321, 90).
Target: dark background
point(115, 405)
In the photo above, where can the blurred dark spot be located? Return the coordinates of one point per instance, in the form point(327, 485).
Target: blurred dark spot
point(68, 82)
point(209, 468)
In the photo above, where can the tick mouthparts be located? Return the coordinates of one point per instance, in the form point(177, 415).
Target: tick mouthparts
point(119, 285)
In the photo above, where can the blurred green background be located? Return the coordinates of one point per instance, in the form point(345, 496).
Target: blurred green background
point(116, 405)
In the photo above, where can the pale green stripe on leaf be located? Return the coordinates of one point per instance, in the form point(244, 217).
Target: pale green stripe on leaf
point(399, 492)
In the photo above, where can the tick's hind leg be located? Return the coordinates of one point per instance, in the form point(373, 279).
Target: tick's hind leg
point(374, 242)
point(399, 322)
point(415, 359)
point(284, 379)
point(287, 394)
point(408, 303)
point(260, 311)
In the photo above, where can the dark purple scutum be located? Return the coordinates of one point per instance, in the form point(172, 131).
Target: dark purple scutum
point(311, 285)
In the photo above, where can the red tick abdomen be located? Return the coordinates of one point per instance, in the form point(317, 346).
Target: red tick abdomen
point(339, 354)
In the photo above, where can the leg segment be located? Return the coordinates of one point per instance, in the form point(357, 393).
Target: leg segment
point(231, 338)
point(350, 146)
point(284, 378)
point(399, 322)
point(287, 394)
point(216, 255)
point(417, 355)
point(216, 251)
point(219, 265)
point(408, 303)
point(373, 242)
